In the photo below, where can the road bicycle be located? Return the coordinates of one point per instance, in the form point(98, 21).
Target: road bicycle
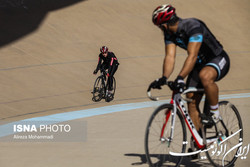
point(100, 90)
point(166, 136)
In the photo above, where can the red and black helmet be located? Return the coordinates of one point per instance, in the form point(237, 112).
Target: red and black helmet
point(163, 14)
point(104, 49)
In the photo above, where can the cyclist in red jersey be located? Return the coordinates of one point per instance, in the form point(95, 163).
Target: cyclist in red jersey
point(107, 60)
point(205, 64)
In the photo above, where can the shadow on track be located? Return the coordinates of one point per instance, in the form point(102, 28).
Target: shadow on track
point(186, 161)
point(22, 17)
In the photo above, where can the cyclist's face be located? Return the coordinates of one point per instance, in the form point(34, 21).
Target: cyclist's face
point(105, 54)
point(163, 27)
point(166, 28)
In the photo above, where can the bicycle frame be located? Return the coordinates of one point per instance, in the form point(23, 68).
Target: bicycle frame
point(178, 101)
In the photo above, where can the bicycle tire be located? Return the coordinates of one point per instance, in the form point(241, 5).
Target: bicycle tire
point(98, 90)
point(232, 121)
point(158, 156)
point(114, 86)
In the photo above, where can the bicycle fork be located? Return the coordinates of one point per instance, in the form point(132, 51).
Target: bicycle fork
point(170, 138)
point(162, 138)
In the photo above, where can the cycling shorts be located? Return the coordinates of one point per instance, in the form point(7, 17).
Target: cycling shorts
point(220, 63)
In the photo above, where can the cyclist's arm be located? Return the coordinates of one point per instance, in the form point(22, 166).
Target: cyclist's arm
point(169, 60)
point(99, 64)
point(192, 50)
point(111, 64)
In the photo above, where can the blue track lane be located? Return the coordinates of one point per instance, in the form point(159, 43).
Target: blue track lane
point(7, 129)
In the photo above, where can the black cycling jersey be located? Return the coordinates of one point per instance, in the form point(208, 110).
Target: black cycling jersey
point(194, 30)
point(107, 62)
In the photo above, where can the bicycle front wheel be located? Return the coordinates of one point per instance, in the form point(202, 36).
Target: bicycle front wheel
point(160, 139)
point(98, 90)
point(230, 136)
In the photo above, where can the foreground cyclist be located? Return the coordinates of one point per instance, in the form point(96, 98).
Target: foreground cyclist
point(107, 60)
point(205, 64)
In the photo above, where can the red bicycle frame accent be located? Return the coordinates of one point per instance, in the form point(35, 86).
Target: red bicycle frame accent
point(168, 112)
point(176, 101)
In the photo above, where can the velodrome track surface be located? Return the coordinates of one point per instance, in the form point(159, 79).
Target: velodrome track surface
point(46, 64)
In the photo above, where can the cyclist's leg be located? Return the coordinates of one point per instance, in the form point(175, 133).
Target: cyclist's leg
point(213, 71)
point(193, 107)
point(110, 79)
point(208, 76)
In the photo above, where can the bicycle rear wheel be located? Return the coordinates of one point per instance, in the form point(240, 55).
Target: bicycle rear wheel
point(99, 90)
point(158, 141)
point(230, 134)
point(113, 86)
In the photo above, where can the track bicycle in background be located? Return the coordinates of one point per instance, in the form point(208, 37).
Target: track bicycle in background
point(100, 90)
point(166, 136)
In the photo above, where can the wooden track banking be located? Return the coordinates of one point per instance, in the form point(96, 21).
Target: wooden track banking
point(47, 59)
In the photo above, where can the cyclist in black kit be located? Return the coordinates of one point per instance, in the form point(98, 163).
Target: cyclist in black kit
point(205, 64)
point(107, 60)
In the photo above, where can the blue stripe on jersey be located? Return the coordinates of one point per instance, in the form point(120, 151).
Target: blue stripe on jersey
point(196, 38)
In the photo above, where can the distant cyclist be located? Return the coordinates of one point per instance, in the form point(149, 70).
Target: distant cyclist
point(206, 61)
point(107, 60)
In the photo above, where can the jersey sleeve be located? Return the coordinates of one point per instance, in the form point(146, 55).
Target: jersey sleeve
point(196, 38)
point(195, 32)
